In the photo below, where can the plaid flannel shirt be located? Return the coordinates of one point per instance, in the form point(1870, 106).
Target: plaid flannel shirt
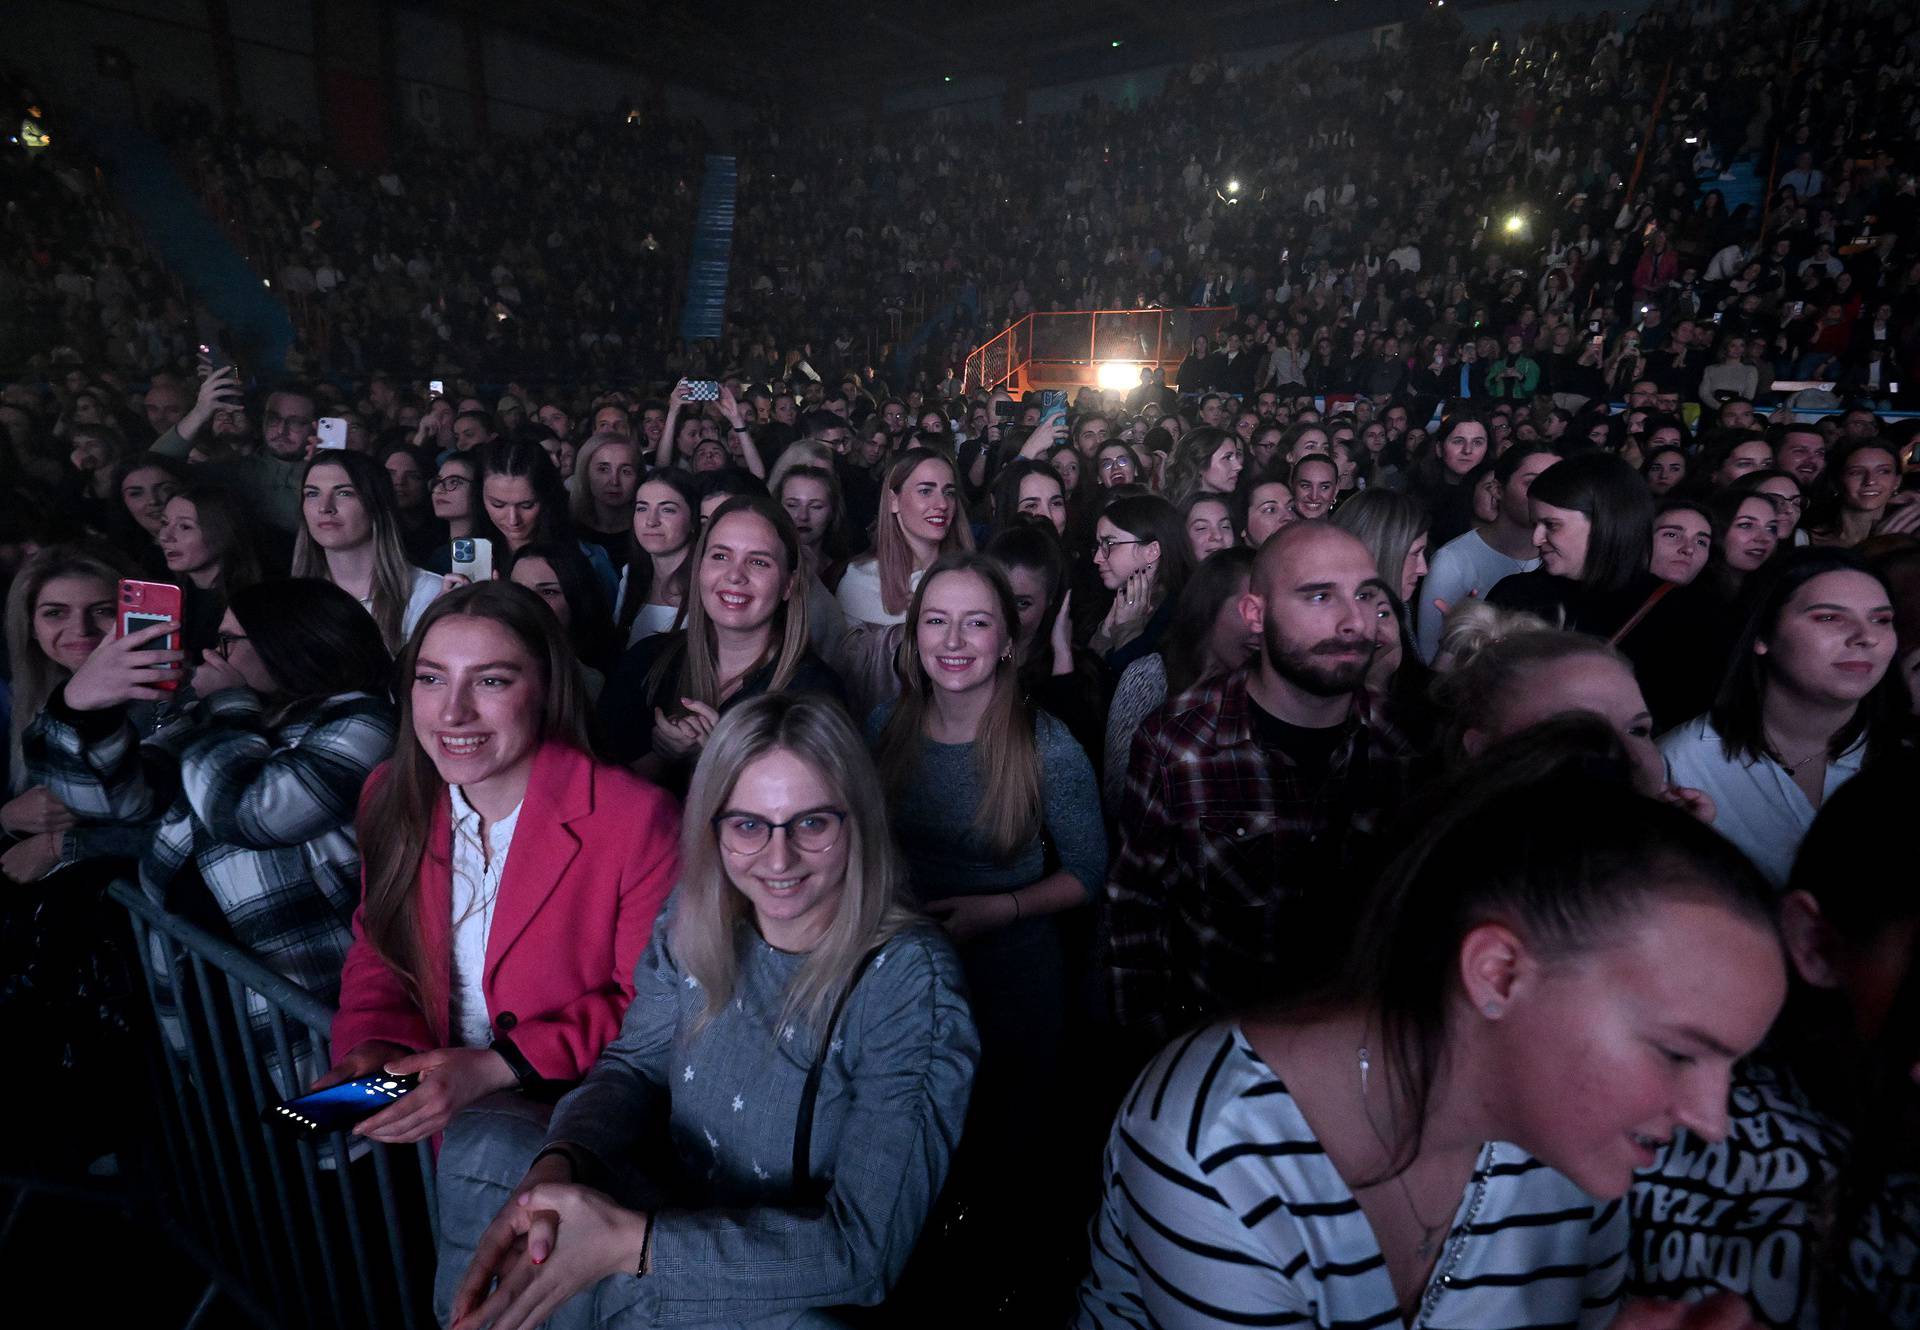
point(1230, 870)
point(265, 814)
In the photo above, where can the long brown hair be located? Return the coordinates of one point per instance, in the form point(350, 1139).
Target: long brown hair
point(1003, 750)
point(392, 573)
point(786, 633)
point(396, 818)
point(891, 552)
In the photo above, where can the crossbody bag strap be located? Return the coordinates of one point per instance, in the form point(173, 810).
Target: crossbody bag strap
point(1659, 594)
point(803, 1122)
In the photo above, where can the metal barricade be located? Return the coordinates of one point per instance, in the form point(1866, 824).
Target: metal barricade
point(328, 1232)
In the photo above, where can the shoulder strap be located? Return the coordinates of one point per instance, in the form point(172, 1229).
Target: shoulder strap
point(803, 1122)
point(1659, 594)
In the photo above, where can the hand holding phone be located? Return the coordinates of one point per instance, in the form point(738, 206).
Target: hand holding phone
point(146, 605)
point(333, 432)
point(134, 667)
point(339, 1107)
point(472, 558)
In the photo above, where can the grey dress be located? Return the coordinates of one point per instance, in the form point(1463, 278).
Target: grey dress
point(699, 1130)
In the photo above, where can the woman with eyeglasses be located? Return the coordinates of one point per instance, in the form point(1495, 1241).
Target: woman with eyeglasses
point(1141, 552)
point(511, 879)
point(248, 791)
point(455, 495)
point(795, 1066)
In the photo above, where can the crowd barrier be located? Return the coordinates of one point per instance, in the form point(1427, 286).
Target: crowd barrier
point(295, 1232)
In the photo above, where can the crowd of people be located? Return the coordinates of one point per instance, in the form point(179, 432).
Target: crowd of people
point(1391, 820)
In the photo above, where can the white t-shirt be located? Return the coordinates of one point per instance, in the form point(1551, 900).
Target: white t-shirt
point(1757, 805)
point(425, 590)
point(859, 594)
point(1460, 567)
point(476, 890)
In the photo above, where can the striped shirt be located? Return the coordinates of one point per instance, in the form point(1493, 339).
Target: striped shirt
point(1221, 1208)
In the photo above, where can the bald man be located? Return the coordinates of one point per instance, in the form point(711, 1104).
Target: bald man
point(1249, 797)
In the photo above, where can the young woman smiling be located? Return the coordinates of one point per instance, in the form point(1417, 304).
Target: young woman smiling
point(1807, 698)
point(921, 518)
point(1593, 527)
point(1423, 1143)
point(350, 536)
point(798, 1057)
point(980, 786)
point(1864, 476)
point(1313, 483)
point(1208, 522)
point(666, 518)
point(745, 635)
point(511, 879)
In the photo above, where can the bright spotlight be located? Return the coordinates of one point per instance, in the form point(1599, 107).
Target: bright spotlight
point(1516, 223)
point(1117, 375)
point(1233, 186)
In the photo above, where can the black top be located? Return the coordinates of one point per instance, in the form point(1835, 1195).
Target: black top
point(1677, 649)
point(627, 705)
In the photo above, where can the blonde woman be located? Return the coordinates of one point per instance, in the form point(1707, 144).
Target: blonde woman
point(798, 1056)
point(922, 517)
point(606, 472)
point(746, 634)
point(350, 536)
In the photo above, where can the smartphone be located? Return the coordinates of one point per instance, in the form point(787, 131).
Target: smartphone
point(333, 432)
point(1053, 411)
point(215, 358)
point(1599, 341)
point(144, 604)
point(339, 1106)
point(1006, 409)
point(1719, 314)
point(436, 387)
point(473, 558)
point(703, 390)
point(1799, 308)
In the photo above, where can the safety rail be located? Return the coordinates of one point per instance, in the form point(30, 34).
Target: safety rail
point(1104, 348)
point(294, 1232)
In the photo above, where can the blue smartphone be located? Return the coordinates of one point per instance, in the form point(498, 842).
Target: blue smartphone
point(338, 1107)
point(1053, 411)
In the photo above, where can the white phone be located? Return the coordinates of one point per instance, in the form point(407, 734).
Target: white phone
point(473, 558)
point(333, 432)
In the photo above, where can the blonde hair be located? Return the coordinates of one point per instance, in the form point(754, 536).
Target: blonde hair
point(1473, 625)
point(1004, 753)
point(709, 910)
point(801, 452)
point(892, 555)
point(787, 639)
point(392, 573)
point(580, 497)
point(1477, 692)
point(34, 675)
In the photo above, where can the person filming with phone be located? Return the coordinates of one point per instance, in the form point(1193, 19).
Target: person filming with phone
point(251, 784)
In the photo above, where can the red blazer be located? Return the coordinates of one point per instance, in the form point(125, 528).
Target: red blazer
point(594, 855)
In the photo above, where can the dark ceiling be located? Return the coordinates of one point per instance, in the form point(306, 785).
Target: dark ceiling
point(843, 52)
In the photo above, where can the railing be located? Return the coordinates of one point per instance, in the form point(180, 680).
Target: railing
point(1074, 347)
point(294, 1232)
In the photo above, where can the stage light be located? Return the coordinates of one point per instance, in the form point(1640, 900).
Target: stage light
point(1117, 375)
point(1233, 186)
point(1116, 46)
point(1516, 223)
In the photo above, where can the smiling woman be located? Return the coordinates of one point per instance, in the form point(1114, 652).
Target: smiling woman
point(798, 1055)
point(511, 880)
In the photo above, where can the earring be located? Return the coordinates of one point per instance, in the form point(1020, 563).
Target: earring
point(1492, 1009)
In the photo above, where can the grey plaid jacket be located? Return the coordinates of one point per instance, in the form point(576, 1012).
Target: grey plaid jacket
point(263, 811)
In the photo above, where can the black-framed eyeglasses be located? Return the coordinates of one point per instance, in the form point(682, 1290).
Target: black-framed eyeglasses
point(815, 830)
point(223, 643)
point(1107, 544)
point(441, 484)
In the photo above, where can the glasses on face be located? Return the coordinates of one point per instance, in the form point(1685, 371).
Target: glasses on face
point(1107, 544)
point(446, 484)
point(223, 643)
point(294, 423)
point(1788, 503)
point(810, 832)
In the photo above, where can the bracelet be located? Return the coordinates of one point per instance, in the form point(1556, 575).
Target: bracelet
point(1014, 896)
